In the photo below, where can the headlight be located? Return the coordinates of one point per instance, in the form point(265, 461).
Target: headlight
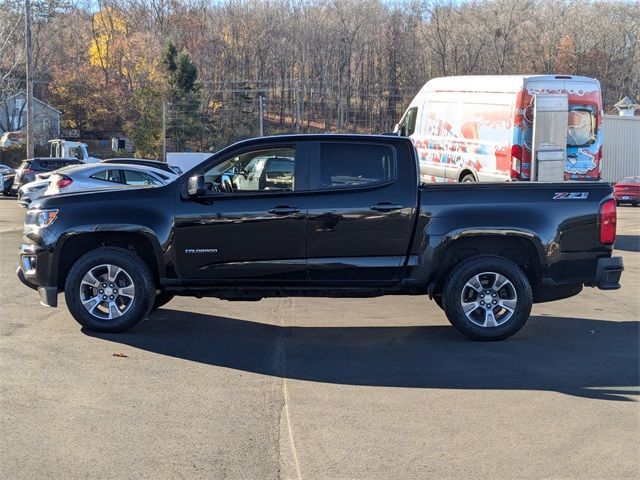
point(40, 218)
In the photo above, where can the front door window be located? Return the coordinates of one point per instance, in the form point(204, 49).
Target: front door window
point(271, 170)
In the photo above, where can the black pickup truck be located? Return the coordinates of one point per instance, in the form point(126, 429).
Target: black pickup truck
point(321, 215)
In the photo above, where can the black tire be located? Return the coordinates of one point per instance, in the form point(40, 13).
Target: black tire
point(139, 276)
point(517, 290)
point(162, 298)
point(468, 178)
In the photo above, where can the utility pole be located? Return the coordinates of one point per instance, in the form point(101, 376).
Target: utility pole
point(261, 116)
point(298, 107)
point(29, 80)
point(164, 131)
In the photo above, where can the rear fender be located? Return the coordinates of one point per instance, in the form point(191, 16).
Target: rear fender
point(434, 258)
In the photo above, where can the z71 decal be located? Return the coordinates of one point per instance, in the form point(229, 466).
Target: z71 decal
point(570, 195)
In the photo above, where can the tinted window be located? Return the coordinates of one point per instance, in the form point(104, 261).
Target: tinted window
point(64, 163)
point(279, 165)
point(409, 120)
point(139, 178)
point(356, 164)
point(108, 176)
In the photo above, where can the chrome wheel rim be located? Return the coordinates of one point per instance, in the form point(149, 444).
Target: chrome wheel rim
point(489, 299)
point(107, 292)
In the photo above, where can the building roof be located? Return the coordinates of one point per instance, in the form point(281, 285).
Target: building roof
point(36, 100)
point(626, 103)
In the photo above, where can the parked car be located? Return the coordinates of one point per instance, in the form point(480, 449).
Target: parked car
point(7, 180)
point(5, 169)
point(354, 221)
point(30, 168)
point(143, 162)
point(6, 173)
point(31, 191)
point(93, 176)
point(627, 190)
point(266, 173)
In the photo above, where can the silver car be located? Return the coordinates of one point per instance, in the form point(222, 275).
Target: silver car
point(92, 176)
point(32, 191)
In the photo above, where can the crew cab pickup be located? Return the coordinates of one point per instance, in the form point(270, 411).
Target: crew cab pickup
point(321, 215)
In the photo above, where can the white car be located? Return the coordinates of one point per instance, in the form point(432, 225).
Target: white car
point(92, 176)
point(31, 191)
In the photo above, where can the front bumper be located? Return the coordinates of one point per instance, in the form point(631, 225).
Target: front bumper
point(35, 272)
point(608, 272)
point(48, 295)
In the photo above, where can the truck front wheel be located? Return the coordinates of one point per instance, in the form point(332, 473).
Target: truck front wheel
point(109, 289)
point(487, 297)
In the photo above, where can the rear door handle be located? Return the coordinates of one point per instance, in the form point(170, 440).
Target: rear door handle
point(386, 207)
point(283, 210)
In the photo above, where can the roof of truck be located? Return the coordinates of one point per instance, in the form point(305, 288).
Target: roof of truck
point(497, 83)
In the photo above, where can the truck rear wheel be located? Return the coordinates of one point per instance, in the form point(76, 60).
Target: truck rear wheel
point(109, 289)
point(487, 297)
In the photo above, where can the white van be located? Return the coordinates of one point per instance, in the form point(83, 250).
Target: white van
point(479, 128)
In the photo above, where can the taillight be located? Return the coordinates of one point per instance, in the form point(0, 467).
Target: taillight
point(516, 161)
point(63, 182)
point(608, 220)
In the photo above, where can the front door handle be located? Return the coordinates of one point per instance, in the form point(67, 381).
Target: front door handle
point(386, 207)
point(283, 210)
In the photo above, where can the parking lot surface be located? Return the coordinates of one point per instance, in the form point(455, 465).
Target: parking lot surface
point(320, 388)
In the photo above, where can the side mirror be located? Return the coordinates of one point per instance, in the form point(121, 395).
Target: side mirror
point(196, 186)
point(400, 129)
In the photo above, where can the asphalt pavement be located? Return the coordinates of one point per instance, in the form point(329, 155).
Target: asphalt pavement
point(320, 388)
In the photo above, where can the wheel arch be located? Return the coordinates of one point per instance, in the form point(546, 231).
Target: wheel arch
point(523, 249)
point(73, 245)
point(466, 171)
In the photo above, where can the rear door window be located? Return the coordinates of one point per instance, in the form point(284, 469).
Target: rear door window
point(108, 176)
point(581, 128)
point(355, 165)
point(138, 178)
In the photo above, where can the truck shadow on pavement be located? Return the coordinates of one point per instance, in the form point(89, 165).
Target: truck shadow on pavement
point(587, 358)
point(628, 243)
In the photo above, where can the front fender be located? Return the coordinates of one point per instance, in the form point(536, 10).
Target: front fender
point(80, 230)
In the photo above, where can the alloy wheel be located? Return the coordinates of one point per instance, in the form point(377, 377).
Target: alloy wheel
point(489, 299)
point(107, 292)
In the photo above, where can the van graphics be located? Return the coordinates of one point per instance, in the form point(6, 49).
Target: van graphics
point(584, 138)
point(488, 132)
